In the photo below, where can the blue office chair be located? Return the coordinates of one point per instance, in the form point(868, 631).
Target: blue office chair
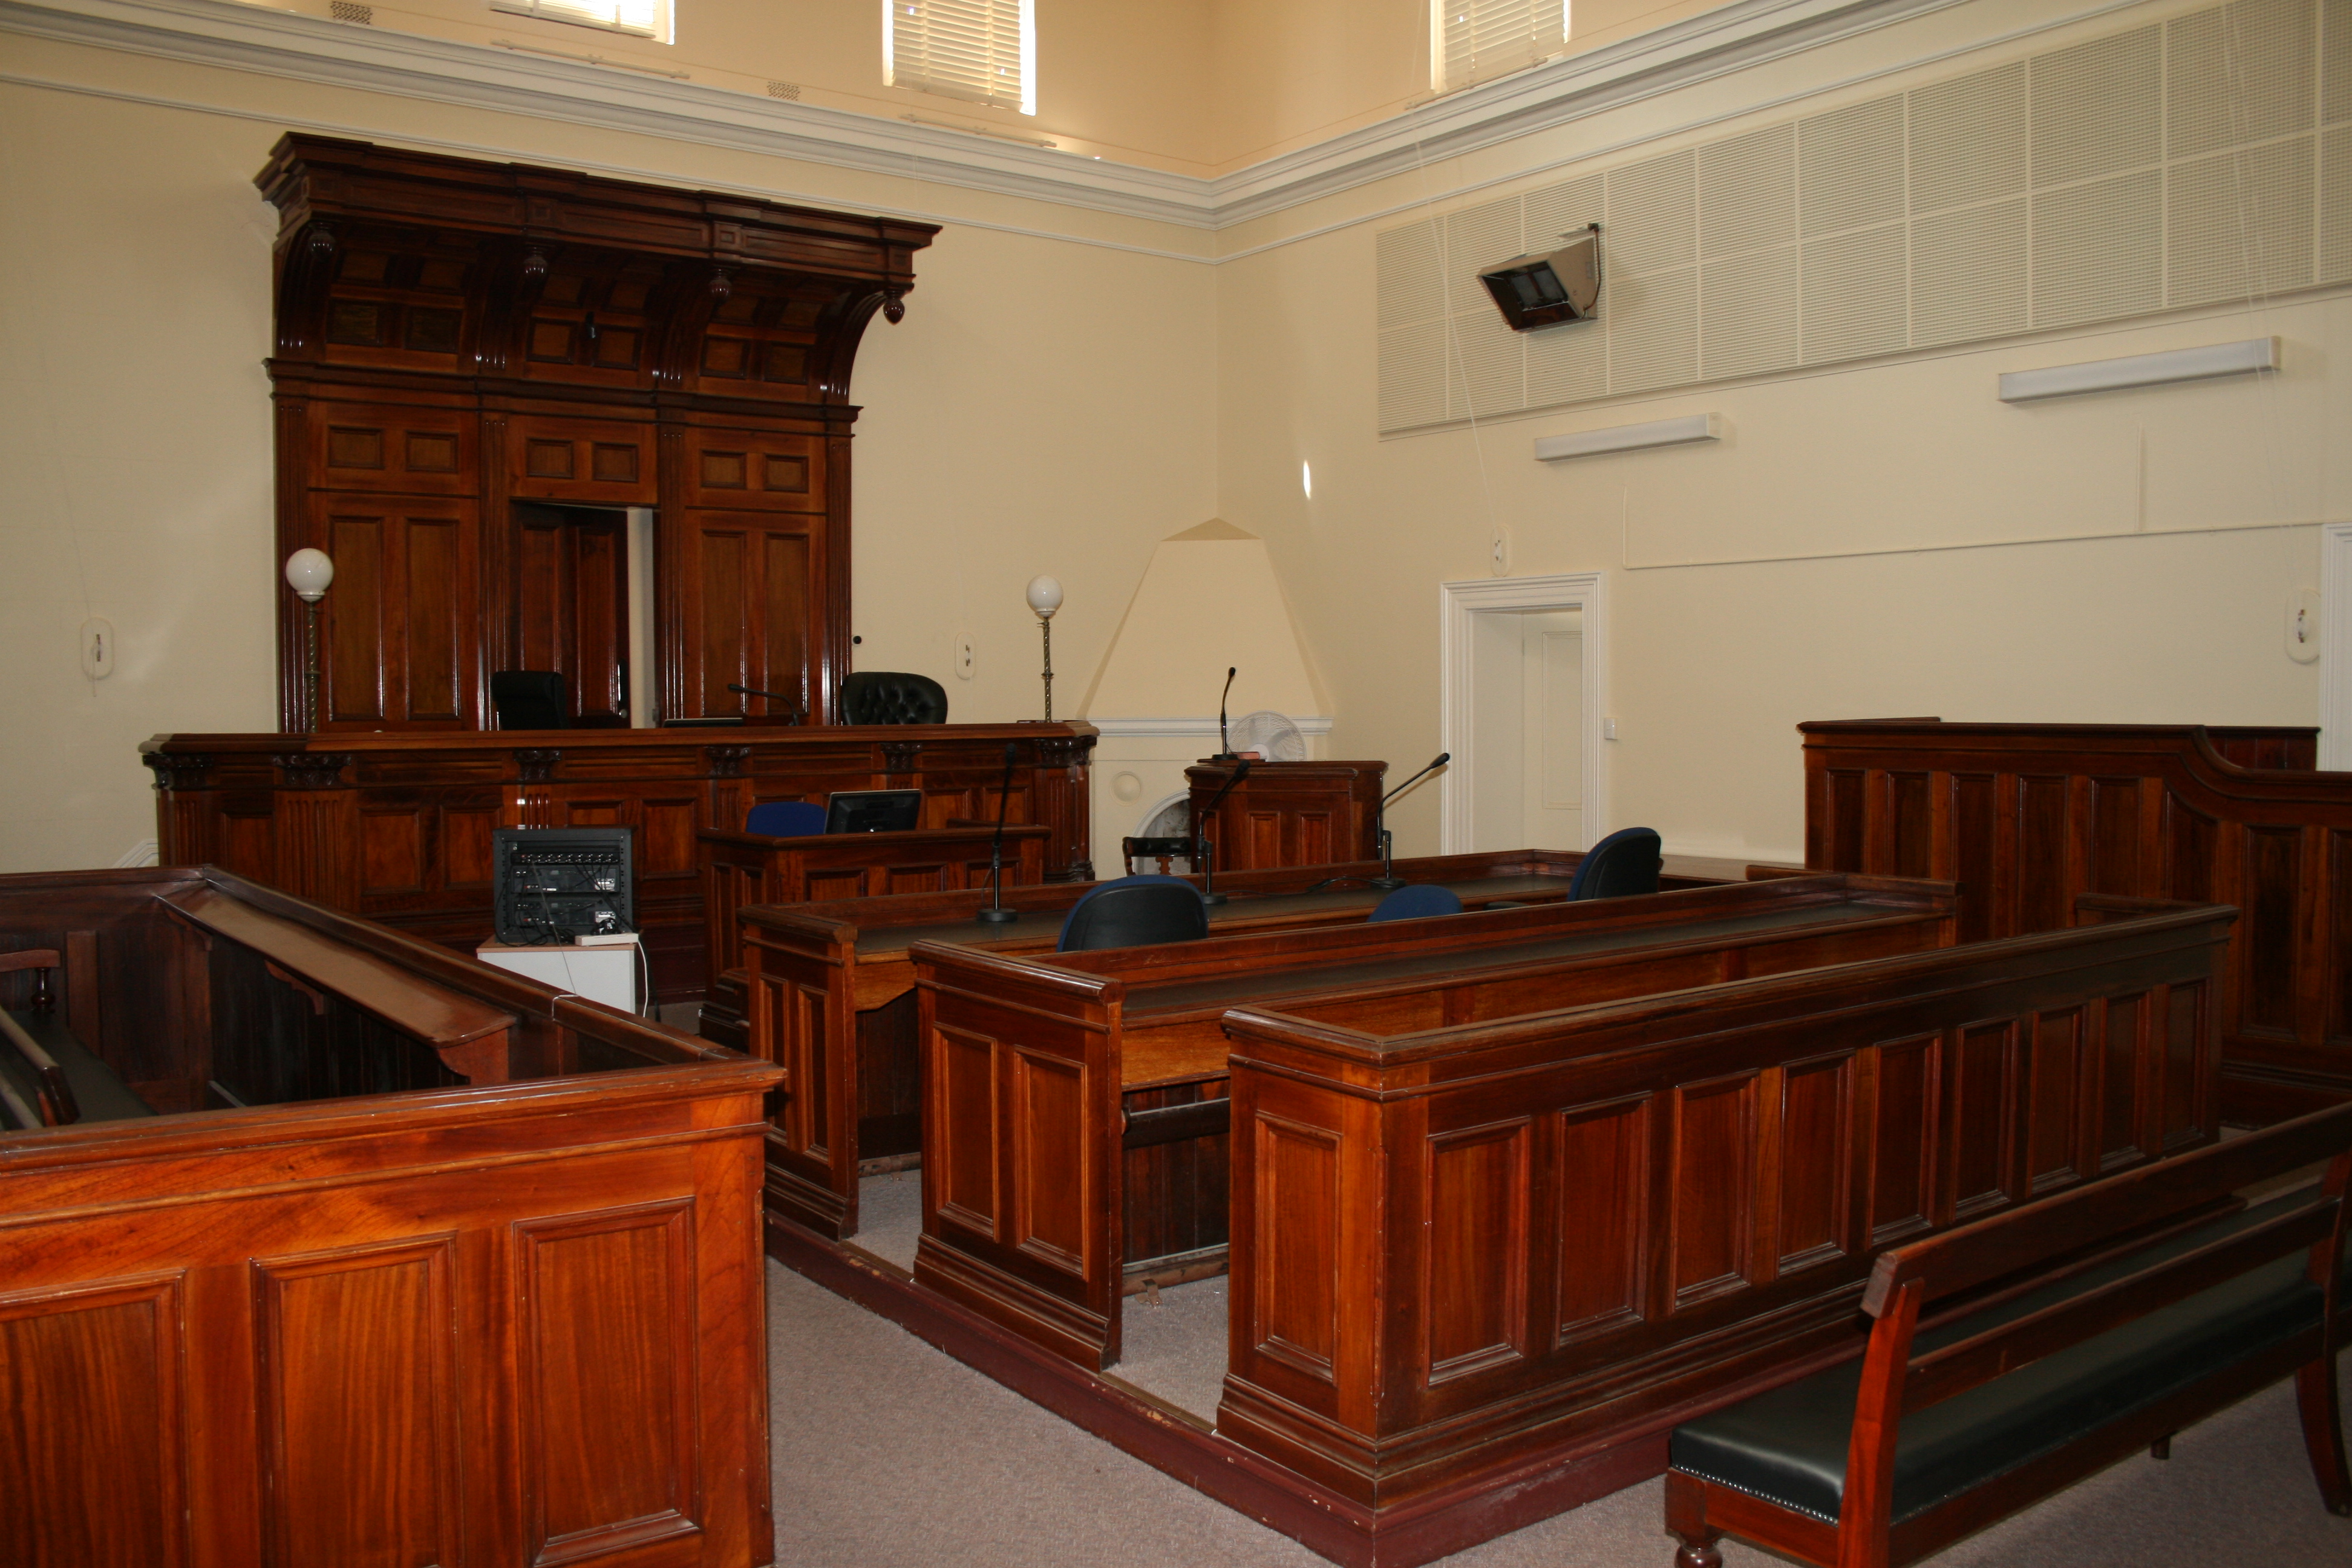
point(785, 819)
point(1135, 911)
point(1413, 902)
point(1625, 863)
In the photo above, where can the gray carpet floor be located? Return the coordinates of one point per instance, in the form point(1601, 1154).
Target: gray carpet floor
point(889, 1452)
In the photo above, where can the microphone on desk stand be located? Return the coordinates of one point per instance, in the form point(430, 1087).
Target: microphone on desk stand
point(996, 913)
point(792, 708)
point(1388, 881)
point(1205, 848)
point(1224, 745)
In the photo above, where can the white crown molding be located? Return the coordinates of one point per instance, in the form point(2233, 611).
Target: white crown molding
point(1309, 724)
point(309, 49)
point(1727, 38)
point(306, 49)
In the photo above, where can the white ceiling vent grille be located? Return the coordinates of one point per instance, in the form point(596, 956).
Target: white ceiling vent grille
point(2240, 224)
point(1968, 275)
point(1748, 313)
point(1851, 167)
point(2098, 250)
point(1857, 295)
point(1413, 275)
point(2336, 60)
point(2045, 192)
point(1968, 138)
point(2239, 74)
point(2098, 106)
point(1748, 191)
point(1653, 218)
point(2336, 205)
point(1412, 377)
point(1654, 340)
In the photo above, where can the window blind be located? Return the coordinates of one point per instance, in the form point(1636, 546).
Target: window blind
point(983, 50)
point(1470, 41)
point(639, 18)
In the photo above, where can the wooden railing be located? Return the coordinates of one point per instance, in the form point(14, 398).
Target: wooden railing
point(1462, 1247)
point(2027, 817)
point(504, 1321)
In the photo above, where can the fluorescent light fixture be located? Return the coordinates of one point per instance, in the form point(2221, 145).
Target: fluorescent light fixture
point(1629, 437)
point(2142, 370)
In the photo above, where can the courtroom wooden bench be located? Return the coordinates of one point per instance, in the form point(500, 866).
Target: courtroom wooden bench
point(828, 989)
point(1530, 1247)
point(536, 1297)
point(2089, 1327)
point(1090, 1072)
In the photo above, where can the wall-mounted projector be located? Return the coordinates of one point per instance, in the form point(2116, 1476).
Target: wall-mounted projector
point(1537, 290)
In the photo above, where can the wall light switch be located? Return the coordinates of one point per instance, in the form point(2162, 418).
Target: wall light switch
point(2303, 625)
point(1498, 551)
point(96, 648)
point(1609, 729)
point(963, 656)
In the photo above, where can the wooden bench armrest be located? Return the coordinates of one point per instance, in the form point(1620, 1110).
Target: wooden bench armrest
point(58, 1107)
point(439, 1017)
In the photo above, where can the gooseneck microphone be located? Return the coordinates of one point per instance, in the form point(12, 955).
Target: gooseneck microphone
point(1205, 848)
point(996, 913)
point(1388, 881)
point(792, 709)
point(1224, 745)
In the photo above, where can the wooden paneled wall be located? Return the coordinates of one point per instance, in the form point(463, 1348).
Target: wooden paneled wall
point(398, 826)
point(2027, 817)
point(462, 346)
point(1456, 1249)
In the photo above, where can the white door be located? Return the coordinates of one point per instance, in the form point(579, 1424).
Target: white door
point(1551, 752)
point(1527, 727)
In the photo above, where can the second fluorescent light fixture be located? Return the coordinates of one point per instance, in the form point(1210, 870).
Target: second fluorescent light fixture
point(2212, 360)
point(1629, 437)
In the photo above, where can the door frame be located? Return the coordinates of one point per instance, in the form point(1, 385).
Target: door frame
point(1457, 672)
point(2335, 647)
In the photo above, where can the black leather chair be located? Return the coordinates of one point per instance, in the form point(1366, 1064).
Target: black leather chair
point(1135, 911)
point(1624, 864)
point(892, 697)
point(527, 700)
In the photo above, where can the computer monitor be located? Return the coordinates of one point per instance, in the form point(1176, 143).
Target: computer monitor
point(873, 810)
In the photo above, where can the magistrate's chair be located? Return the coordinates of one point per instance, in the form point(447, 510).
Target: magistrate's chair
point(1413, 902)
point(1135, 911)
point(527, 700)
point(785, 819)
point(892, 697)
point(1625, 863)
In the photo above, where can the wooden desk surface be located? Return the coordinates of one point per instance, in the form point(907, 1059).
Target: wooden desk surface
point(1165, 1001)
point(1038, 929)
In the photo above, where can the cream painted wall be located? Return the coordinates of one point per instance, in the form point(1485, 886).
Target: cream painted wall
point(1025, 416)
point(1123, 79)
point(1060, 399)
point(1866, 475)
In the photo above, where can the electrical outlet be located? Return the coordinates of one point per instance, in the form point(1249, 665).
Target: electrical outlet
point(2303, 625)
point(963, 656)
point(1609, 729)
point(96, 648)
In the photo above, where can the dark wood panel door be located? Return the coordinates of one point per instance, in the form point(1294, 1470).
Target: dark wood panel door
point(392, 446)
point(570, 599)
point(748, 585)
point(398, 647)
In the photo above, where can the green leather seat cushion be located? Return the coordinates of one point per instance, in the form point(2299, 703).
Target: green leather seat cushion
point(1788, 1447)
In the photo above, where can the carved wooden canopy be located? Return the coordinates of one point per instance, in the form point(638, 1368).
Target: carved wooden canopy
point(468, 354)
